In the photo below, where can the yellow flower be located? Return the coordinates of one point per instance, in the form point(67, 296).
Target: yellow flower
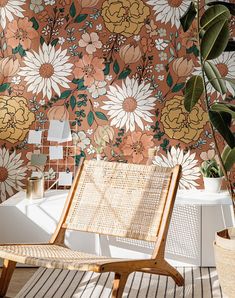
point(15, 118)
point(181, 125)
point(124, 16)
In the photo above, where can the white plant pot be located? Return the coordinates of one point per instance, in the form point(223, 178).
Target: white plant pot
point(212, 184)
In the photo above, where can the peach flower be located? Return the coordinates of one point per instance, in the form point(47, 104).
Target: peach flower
point(90, 68)
point(90, 41)
point(137, 145)
point(183, 67)
point(58, 113)
point(130, 54)
point(20, 32)
point(8, 68)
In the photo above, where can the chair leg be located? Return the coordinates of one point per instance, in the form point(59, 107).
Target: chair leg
point(178, 278)
point(119, 284)
point(7, 271)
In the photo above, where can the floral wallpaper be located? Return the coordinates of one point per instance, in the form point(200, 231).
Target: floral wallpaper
point(116, 68)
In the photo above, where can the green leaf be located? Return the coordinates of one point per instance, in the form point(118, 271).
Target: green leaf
point(21, 51)
point(169, 80)
point(101, 116)
point(178, 87)
point(125, 73)
point(72, 102)
point(230, 6)
point(79, 18)
point(35, 23)
point(213, 15)
point(214, 77)
point(224, 107)
point(107, 68)
point(42, 40)
point(215, 40)
point(4, 87)
point(193, 91)
point(228, 157)
point(90, 118)
point(116, 67)
point(187, 19)
point(222, 121)
point(65, 94)
point(79, 83)
point(72, 10)
point(54, 42)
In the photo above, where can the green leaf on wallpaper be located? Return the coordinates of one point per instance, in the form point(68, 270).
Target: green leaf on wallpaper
point(116, 67)
point(65, 94)
point(79, 18)
point(224, 107)
point(101, 116)
point(35, 23)
point(72, 102)
point(42, 40)
point(72, 10)
point(187, 19)
point(54, 42)
point(79, 83)
point(19, 49)
point(107, 68)
point(4, 87)
point(193, 50)
point(90, 118)
point(125, 73)
point(178, 87)
point(169, 80)
point(222, 121)
point(214, 77)
point(193, 91)
point(215, 40)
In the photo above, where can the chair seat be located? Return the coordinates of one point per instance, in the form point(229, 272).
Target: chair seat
point(54, 256)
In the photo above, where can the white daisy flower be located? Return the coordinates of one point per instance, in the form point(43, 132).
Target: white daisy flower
point(226, 66)
point(169, 10)
point(136, 37)
point(130, 104)
point(61, 40)
point(9, 9)
point(96, 104)
point(90, 150)
point(11, 173)
point(49, 2)
point(97, 89)
point(47, 70)
point(90, 131)
point(190, 170)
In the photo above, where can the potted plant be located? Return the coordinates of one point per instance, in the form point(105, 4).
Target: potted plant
point(211, 175)
point(213, 39)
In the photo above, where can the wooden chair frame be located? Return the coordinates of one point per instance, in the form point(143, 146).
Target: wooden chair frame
point(155, 265)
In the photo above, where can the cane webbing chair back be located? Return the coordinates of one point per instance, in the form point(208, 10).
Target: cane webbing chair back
point(118, 199)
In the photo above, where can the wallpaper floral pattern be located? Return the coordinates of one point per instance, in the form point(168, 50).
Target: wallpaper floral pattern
point(116, 68)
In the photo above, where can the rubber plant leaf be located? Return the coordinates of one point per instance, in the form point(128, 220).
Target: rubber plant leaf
point(193, 91)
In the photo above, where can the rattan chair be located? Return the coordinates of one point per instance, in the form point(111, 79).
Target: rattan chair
point(109, 198)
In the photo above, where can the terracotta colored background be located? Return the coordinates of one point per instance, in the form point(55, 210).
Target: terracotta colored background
point(116, 68)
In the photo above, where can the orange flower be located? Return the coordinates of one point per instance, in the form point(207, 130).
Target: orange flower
point(183, 67)
point(20, 32)
point(137, 145)
point(130, 54)
point(147, 44)
point(90, 68)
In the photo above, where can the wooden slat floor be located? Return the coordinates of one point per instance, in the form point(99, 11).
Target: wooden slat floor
point(48, 283)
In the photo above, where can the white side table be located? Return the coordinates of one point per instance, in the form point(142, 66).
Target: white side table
point(196, 218)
